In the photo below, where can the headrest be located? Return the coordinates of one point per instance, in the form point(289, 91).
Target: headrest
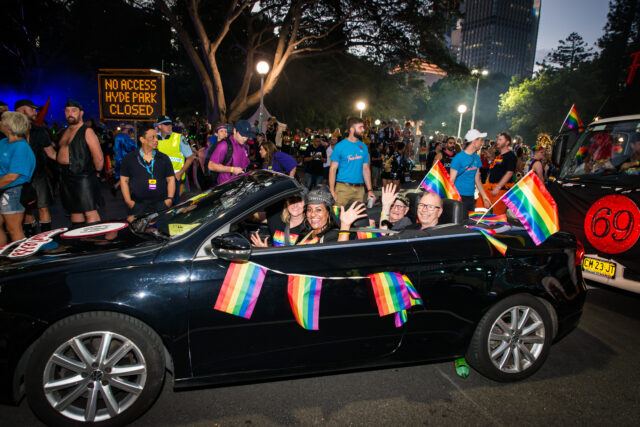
point(452, 210)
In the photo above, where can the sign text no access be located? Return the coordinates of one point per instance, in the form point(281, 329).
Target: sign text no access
point(125, 96)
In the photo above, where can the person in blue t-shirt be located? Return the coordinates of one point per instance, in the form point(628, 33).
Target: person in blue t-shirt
point(350, 173)
point(465, 171)
point(17, 163)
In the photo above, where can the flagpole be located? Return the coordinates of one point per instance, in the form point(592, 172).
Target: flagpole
point(565, 119)
point(501, 197)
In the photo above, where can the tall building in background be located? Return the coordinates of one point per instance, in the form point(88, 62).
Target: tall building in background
point(499, 35)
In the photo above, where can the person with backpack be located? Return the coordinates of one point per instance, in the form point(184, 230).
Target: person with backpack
point(277, 161)
point(230, 156)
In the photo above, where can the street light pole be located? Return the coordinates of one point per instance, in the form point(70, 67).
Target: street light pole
point(475, 98)
point(263, 68)
point(461, 109)
point(360, 106)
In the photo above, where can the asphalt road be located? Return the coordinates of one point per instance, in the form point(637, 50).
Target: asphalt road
point(591, 378)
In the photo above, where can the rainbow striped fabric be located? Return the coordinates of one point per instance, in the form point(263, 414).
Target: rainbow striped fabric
point(488, 234)
point(304, 298)
point(240, 289)
point(278, 238)
point(394, 294)
point(489, 218)
point(367, 234)
point(532, 204)
point(580, 154)
point(336, 211)
point(437, 181)
point(573, 120)
point(401, 318)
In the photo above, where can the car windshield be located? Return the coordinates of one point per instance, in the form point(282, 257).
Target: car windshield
point(203, 207)
point(602, 152)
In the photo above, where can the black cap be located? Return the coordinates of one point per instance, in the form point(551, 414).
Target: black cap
point(26, 102)
point(73, 103)
point(244, 128)
point(164, 120)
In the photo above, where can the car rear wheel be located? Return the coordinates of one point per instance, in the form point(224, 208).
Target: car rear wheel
point(512, 340)
point(100, 367)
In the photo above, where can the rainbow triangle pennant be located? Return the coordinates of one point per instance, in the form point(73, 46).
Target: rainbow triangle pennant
point(573, 120)
point(437, 181)
point(532, 204)
point(240, 289)
point(304, 298)
point(488, 234)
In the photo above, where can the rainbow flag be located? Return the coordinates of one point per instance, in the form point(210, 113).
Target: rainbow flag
point(278, 238)
point(414, 296)
point(304, 297)
point(401, 318)
point(437, 181)
point(573, 121)
point(240, 289)
point(489, 218)
point(486, 230)
point(580, 154)
point(367, 234)
point(391, 292)
point(336, 211)
point(532, 204)
point(488, 234)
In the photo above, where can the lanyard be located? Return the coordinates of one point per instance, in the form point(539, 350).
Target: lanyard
point(149, 166)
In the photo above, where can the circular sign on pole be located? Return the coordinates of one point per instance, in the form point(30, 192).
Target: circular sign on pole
point(94, 230)
point(612, 224)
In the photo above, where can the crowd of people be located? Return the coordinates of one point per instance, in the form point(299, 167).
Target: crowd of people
point(153, 165)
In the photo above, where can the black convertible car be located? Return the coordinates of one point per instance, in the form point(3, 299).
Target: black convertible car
point(90, 324)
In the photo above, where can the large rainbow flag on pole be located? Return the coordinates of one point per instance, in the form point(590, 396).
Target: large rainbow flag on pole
point(573, 120)
point(532, 204)
point(437, 181)
point(240, 289)
point(304, 297)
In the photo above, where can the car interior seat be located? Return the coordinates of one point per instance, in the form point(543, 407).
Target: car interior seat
point(452, 210)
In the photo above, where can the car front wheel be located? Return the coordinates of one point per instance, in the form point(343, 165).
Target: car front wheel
point(100, 367)
point(512, 340)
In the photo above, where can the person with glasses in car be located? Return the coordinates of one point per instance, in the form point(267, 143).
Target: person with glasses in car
point(395, 208)
point(429, 211)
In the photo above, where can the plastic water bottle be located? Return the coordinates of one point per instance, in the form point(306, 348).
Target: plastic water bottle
point(462, 369)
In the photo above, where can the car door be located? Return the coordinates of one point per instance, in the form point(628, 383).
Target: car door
point(456, 267)
point(350, 329)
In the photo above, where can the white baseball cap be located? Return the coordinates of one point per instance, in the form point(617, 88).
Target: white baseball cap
point(473, 134)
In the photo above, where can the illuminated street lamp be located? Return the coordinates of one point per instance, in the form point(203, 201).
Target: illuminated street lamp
point(461, 109)
point(377, 122)
point(262, 68)
point(477, 73)
point(360, 106)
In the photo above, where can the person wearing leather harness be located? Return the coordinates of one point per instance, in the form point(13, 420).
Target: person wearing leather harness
point(448, 153)
point(42, 148)
point(79, 157)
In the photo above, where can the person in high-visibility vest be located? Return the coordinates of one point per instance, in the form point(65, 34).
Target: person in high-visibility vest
point(177, 147)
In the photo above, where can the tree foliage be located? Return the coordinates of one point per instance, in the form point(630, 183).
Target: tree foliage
point(569, 55)
point(280, 31)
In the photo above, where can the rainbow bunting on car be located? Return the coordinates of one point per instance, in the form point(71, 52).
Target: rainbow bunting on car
point(395, 294)
point(573, 120)
point(304, 298)
point(488, 234)
point(240, 289)
point(367, 234)
point(532, 204)
point(437, 181)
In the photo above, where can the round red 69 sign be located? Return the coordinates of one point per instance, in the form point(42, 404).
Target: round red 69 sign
point(612, 224)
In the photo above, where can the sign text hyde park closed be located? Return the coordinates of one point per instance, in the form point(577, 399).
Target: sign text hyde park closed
point(131, 97)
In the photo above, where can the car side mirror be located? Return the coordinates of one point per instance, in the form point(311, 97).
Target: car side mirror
point(231, 247)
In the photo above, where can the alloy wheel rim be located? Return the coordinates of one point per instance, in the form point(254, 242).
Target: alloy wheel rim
point(94, 376)
point(516, 339)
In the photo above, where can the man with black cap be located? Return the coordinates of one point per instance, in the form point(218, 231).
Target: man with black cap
point(177, 147)
point(230, 157)
point(79, 157)
point(42, 148)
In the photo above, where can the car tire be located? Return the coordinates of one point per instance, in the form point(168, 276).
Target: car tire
point(98, 367)
point(505, 353)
